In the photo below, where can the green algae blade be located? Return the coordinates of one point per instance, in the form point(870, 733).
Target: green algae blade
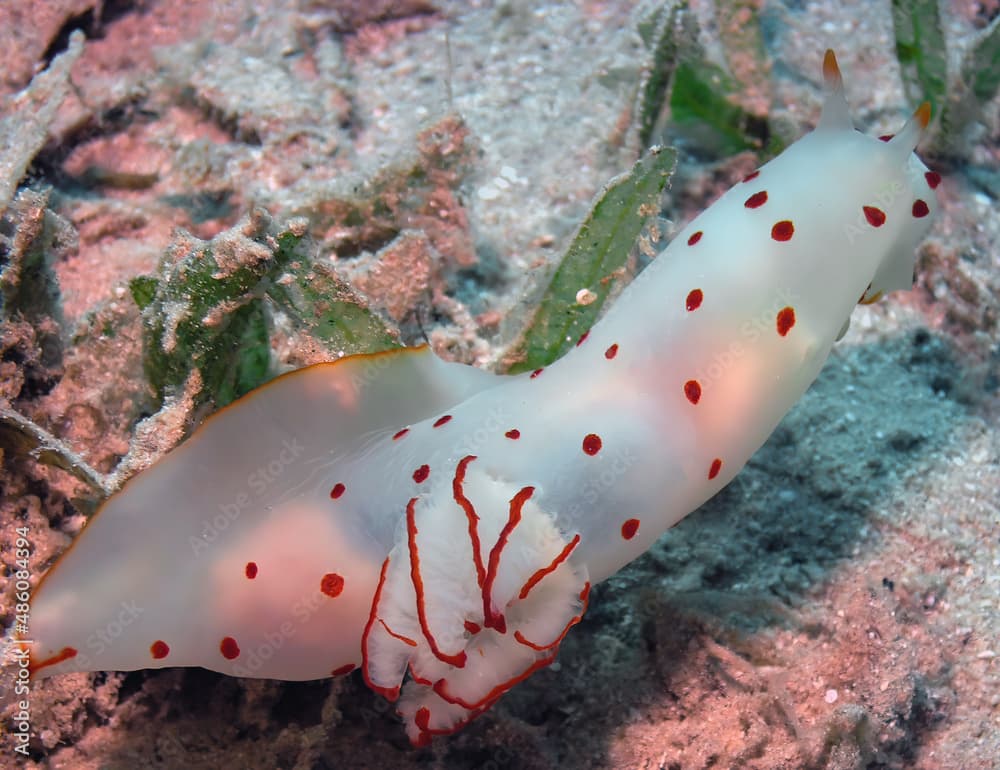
point(920, 48)
point(594, 263)
point(328, 308)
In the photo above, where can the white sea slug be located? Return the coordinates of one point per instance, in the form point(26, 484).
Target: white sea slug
point(429, 522)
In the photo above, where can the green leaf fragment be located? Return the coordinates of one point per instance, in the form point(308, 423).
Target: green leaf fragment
point(143, 290)
point(920, 48)
point(593, 262)
point(206, 306)
point(252, 355)
point(658, 32)
point(326, 306)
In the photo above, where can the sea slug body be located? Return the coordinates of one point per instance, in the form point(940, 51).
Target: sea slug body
point(439, 527)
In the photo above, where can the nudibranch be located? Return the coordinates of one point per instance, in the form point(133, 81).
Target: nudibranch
point(439, 527)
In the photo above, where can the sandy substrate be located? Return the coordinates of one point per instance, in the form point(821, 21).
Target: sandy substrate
point(835, 607)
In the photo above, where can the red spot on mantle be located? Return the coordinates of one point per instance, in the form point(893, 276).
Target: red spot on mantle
point(513, 434)
point(159, 649)
point(714, 468)
point(692, 389)
point(785, 320)
point(920, 209)
point(250, 570)
point(695, 238)
point(442, 420)
point(783, 230)
point(611, 352)
point(875, 216)
point(583, 338)
point(347, 668)
point(751, 176)
point(694, 299)
point(592, 444)
point(933, 179)
point(399, 434)
point(420, 474)
point(629, 528)
point(756, 200)
point(332, 584)
point(229, 648)
point(537, 372)
point(337, 491)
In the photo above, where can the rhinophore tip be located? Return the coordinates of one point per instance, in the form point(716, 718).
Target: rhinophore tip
point(835, 116)
point(923, 114)
point(906, 140)
point(831, 72)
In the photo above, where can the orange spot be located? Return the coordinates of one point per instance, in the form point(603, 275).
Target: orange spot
point(250, 570)
point(332, 584)
point(629, 528)
point(229, 648)
point(714, 468)
point(592, 444)
point(785, 320)
point(159, 649)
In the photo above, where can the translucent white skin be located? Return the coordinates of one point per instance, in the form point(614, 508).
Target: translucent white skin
point(337, 584)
